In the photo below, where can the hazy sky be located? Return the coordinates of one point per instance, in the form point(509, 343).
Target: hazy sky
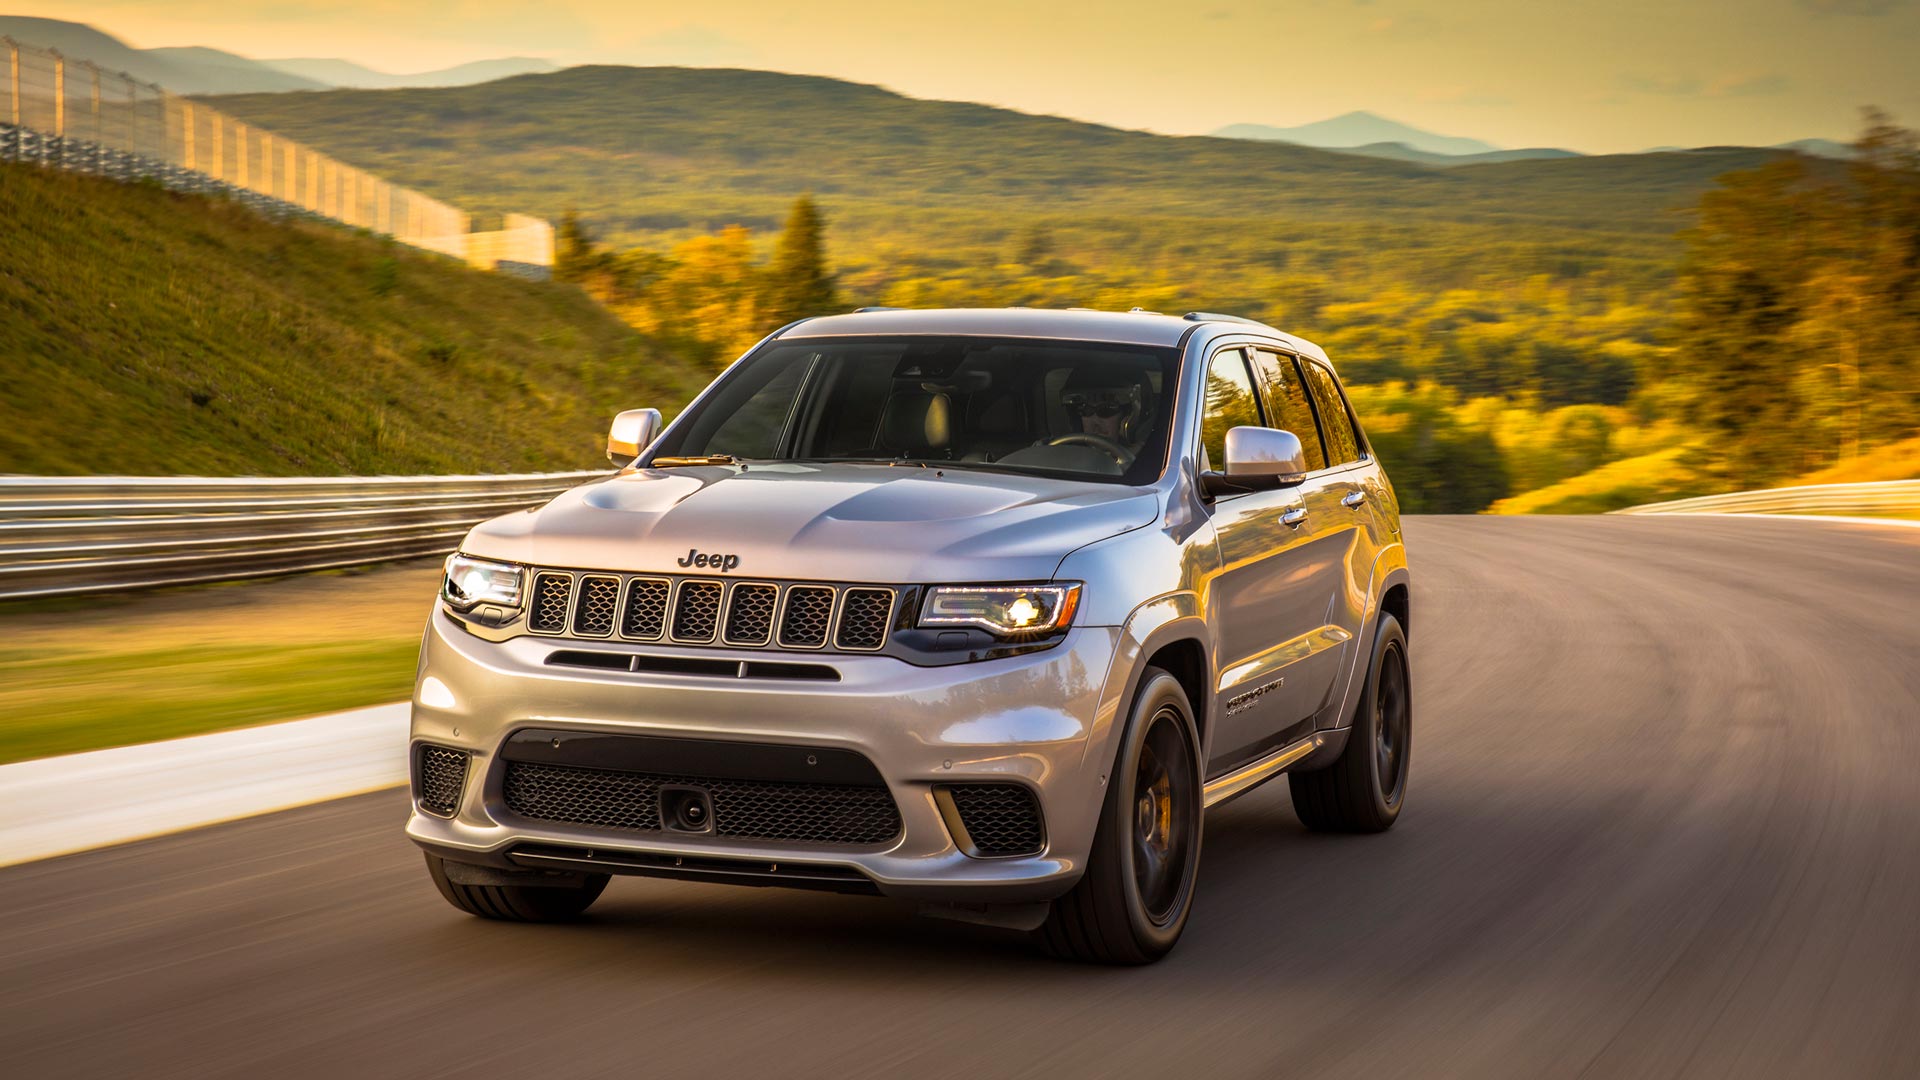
point(1593, 76)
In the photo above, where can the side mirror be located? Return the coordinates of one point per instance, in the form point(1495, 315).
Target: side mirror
point(1257, 458)
point(632, 431)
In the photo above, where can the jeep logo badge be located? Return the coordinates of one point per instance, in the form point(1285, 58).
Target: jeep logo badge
point(722, 563)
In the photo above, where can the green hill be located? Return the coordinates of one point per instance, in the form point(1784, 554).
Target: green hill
point(145, 332)
point(643, 151)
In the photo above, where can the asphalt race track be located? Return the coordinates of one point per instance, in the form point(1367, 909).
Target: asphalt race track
point(1664, 821)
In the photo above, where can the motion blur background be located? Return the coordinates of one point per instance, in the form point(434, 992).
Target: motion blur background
point(1568, 260)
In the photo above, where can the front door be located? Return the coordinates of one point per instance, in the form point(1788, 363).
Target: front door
point(1270, 592)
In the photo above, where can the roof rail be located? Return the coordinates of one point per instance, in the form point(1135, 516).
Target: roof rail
point(864, 310)
point(1214, 316)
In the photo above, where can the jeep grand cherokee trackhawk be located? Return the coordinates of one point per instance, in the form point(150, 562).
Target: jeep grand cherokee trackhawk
point(977, 608)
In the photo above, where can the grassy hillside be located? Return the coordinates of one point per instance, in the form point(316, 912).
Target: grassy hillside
point(147, 332)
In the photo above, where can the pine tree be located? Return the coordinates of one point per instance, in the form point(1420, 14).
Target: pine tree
point(798, 283)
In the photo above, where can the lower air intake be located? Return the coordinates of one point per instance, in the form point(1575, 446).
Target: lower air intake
point(1000, 820)
point(440, 774)
point(742, 809)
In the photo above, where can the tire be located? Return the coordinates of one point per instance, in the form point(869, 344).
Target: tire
point(1363, 789)
point(1134, 899)
point(517, 903)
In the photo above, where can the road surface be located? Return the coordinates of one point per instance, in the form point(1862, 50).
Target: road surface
point(1664, 821)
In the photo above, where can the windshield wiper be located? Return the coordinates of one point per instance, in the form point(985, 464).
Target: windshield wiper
point(696, 459)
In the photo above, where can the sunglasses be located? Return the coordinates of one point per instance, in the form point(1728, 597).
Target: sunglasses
point(1105, 410)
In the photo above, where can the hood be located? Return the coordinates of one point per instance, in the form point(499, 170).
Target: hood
point(821, 522)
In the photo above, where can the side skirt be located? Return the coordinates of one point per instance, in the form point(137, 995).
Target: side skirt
point(1253, 774)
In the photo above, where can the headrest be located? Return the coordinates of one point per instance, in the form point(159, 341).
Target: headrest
point(915, 422)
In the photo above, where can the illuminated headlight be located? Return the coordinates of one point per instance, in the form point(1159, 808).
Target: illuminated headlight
point(471, 581)
point(1008, 610)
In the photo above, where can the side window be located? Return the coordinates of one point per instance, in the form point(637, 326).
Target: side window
point(1229, 404)
point(1336, 424)
point(1287, 407)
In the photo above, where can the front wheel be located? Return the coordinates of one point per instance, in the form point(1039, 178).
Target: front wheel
point(1364, 788)
point(1133, 901)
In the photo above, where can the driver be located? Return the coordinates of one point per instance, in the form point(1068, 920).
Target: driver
point(1108, 409)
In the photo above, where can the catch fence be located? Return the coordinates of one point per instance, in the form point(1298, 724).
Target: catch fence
point(73, 114)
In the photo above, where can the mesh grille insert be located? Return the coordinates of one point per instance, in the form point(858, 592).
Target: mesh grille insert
point(646, 608)
point(442, 776)
point(550, 595)
point(809, 609)
point(863, 618)
point(696, 611)
point(750, 613)
point(593, 611)
point(744, 809)
point(1001, 819)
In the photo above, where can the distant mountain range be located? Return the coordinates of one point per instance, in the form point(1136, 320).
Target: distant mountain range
point(347, 75)
point(200, 70)
point(1371, 135)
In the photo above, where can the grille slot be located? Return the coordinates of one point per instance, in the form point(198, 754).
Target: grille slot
point(863, 619)
point(440, 777)
point(646, 613)
point(998, 820)
point(750, 613)
point(551, 593)
point(696, 611)
point(593, 610)
point(742, 809)
point(809, 611)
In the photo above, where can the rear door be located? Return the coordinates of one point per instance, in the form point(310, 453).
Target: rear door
point(1263, 591)
point(1341, 512)
point(1307, 647)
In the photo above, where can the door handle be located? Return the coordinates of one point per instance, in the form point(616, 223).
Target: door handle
point(1294, 517)
point(1354, 501)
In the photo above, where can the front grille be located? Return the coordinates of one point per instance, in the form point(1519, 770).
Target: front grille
point(1000, 819)
point(712, 611)
point(742, 809)
point(440, 775)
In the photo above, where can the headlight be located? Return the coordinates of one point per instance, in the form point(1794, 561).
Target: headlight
point(1008, 610)
point(471, 581)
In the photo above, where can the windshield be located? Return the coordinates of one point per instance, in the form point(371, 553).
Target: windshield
point(1067, 409)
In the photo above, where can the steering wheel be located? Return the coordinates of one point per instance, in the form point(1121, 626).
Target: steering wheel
point(1120, 454)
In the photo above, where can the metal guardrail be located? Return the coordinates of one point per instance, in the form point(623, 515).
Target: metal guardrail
point(1838, 500)
point(61, 536)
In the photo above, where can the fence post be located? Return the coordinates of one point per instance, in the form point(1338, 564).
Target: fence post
point(13, 52)
point(59, 94)
point(217, 130)
point(240, 152)
point(133, 114)
point(266, 162)
point(186, 126)
point(93, 70)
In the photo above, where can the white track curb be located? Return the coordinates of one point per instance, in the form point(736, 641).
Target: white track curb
point(58, 805)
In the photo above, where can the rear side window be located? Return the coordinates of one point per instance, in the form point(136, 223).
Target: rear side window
point(1287, 408)
point(1336, 423)
point(1230, 404)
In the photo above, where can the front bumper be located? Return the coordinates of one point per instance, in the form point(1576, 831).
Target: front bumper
point(1044, 719)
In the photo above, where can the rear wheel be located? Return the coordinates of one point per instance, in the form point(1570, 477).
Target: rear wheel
point(517, 903)
point(1363, 789)
point(1133, 901)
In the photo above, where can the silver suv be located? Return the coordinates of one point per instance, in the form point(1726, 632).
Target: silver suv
point(977, 608)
